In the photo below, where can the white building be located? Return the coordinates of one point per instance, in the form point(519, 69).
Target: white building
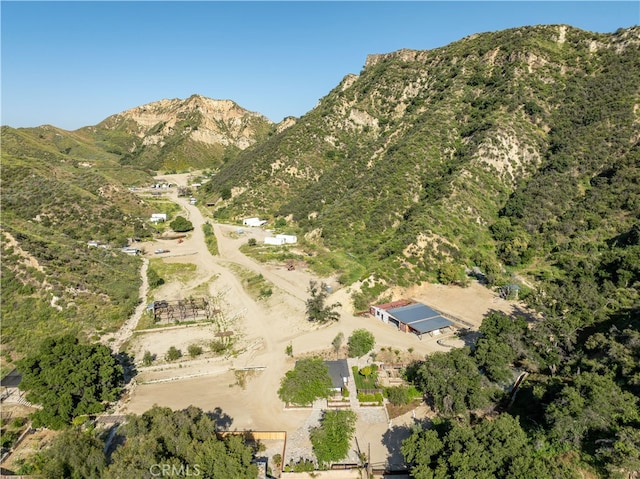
point(272, 240)
point(289, 239)
point(253, 222)
point(157, 217)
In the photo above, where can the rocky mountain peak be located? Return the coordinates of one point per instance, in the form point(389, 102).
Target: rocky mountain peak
point(202, 119)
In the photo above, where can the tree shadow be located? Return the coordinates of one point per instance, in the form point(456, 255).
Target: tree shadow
point(392, 439)
point(128, 366)
point(529, 315)
point(469, 337)
point(221, 419)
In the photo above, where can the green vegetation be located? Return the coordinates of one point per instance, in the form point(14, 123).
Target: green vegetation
point(428, 188)
point(184, 441)
point(148, 358)
point(173, 354)
point(509, 154)
point(154, 279)
point(332, 438)
point(317, 309)
point(376, 398)
point(496, 448)
point(337, 342)
point(367, 377)
point(73, 453)
point(581, 398)
point(69, 379)
point(172, 271)
point(181, 225)
point(254, 284)
point(453, 381)
point(55, 200)
point(308, 381)
point(10, 432)
point(194, 350)
point(360, 343)
point(210, 238)
point(400, 395)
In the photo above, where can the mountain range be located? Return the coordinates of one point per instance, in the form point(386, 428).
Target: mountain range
point(505, 152)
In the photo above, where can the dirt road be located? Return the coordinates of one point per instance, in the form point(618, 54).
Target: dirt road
point(266, 327)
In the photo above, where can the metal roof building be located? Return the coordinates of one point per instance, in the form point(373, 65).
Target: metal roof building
point(416, 317)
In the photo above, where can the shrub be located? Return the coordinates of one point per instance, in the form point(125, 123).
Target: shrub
point(218, 347)
point(148, 358)
point(277, 460)
point(398, 395)
point(173, 354)
point(194, 350)
point(154, 278)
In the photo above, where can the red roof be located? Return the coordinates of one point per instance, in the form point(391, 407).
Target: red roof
point(394, 304)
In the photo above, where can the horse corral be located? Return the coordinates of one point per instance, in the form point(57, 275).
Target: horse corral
point(192, 309)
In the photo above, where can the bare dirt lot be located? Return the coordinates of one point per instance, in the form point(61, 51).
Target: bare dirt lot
point(264, 328)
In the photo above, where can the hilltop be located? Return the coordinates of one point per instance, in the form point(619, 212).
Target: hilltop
point(196, 132)
point(483, 153)
point(511, 156)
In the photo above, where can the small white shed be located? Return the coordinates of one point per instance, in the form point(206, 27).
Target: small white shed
point(253, 222)
point(289, 239)
point(272, 240)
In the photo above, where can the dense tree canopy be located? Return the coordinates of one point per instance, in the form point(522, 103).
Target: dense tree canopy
point(180, 224)
point(591, 404)
point(492, 449)
point(180, 443)
point(360, 343)
point(332, 438)
point(69, 379)
point(452, 380)
point(308, 381)
point(73, 454)
point(183, 439)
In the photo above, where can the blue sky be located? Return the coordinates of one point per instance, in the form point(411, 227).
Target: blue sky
point(72, 64)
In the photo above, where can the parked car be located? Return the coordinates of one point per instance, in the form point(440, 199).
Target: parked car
point(160, 251)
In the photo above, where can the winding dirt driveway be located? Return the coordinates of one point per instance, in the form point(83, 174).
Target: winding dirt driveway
point(265, 327)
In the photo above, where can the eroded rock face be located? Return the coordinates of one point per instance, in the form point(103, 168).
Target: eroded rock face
point(203, 119)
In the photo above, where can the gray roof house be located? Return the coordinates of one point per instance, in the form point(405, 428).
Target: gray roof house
point(339, 372)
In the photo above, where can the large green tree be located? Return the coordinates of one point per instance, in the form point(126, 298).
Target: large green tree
point(452, 380)
point(317, 308)
point(73, 454)
point(591, 404)
point(180, 224)
point(360, 343)
point(332, 438)
point(307, 381)
point(185, 442)
point(492, 449)
point(69, 379)
point(159, 443)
